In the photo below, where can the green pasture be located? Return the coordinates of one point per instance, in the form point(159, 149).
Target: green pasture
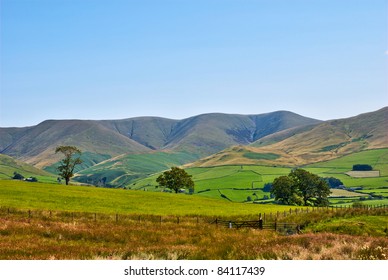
point(378, 159)
point(238, 182)
point(43, 196)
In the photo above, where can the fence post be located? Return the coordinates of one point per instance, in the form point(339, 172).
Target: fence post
point(276, 224)
point(178, 220)
point(29, 213)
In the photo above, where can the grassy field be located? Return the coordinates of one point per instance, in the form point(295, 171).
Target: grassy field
point(43, 196)
point(240, 183)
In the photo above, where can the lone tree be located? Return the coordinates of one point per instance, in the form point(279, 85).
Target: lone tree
point(72, 158)
point(301, 187)
point(175, 179)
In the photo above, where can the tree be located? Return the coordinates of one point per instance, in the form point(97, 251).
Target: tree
point(283, 190)
point(301, 187)
point(67, 165)
point(333, 182)
point(175, 179)
point(310, 186)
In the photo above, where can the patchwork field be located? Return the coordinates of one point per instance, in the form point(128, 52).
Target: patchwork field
point(244, 183)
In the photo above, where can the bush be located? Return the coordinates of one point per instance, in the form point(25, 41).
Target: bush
point(362, 167)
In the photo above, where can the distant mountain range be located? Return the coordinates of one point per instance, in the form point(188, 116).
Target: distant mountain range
point(124, 150)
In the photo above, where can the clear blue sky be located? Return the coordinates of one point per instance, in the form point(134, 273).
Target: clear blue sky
point(91, 59)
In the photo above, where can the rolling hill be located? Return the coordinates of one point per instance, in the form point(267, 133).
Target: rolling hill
point(311, 143)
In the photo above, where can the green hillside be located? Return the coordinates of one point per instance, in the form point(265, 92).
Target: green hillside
point(8, 166)
point(122, 170)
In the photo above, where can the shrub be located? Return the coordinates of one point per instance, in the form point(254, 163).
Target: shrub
point(362, 167)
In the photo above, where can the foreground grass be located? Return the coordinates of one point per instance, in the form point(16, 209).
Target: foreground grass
point(351, 234)
point(51, 238)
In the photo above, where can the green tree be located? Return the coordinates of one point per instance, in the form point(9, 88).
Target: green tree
point(283, 190)
point(175, 179)
point(72, 158)
point(301, 187)
point(309, 186)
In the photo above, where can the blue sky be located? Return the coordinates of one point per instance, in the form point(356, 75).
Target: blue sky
point(93, 59)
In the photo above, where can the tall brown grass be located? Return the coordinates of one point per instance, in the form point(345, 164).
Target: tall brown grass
point(54, 238)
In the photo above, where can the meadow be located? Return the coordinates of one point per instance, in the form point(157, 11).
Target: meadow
point(326, 235)
point(44, 196)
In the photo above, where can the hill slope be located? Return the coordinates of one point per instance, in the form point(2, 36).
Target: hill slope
point(9, 165)
point(311, 143)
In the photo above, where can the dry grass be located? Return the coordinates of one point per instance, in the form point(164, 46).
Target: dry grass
point(37, 238)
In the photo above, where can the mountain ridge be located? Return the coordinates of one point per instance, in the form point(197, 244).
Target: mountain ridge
point(201, 135)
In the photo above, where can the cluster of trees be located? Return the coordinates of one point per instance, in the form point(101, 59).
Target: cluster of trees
point(301, 187)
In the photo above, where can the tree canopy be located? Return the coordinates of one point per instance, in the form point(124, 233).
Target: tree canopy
point(72, 158)
point(301, 187)
point(175, 179)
